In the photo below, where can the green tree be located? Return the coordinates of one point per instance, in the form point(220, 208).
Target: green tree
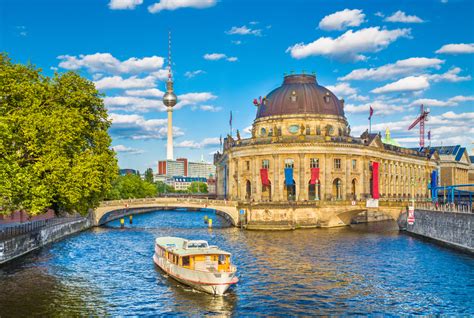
point(54, 145)
point(131, 186)
point(198, 187)
point(162, 187)
point(149, 175)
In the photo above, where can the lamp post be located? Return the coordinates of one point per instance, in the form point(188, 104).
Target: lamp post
point(412, 181)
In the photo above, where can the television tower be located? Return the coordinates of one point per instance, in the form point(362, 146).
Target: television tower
point(170, 100)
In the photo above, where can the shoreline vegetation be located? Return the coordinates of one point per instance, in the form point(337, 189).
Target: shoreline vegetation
point(54, 142)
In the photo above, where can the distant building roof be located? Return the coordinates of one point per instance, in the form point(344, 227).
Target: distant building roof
point(457, 151)
point(188, 179)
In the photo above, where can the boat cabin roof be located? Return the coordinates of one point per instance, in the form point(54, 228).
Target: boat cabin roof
point(183, 247)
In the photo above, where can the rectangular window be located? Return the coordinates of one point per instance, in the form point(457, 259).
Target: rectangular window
point(247, 165)
point(354, 164)
point(266, 164)
point(337, 163)
point(289, 163)
point(186, 261)
point(314, 163)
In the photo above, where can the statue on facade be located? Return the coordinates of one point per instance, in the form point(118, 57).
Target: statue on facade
point(302, 129)
point(238, 135)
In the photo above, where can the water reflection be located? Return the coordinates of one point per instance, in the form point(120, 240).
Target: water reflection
point(357, 270)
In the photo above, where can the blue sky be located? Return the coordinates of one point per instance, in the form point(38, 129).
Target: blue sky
point(393, 55)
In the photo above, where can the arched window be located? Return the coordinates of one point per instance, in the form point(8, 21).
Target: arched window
point(248, 190)
point(314, 190)
point(337, 189)
point(354, 189)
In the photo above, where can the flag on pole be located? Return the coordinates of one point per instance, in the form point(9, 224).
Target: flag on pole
point(220, 140)
point(429, 134)
point(371, 112)
point(230, 119)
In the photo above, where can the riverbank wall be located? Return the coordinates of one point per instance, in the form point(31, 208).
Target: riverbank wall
point(454, 229)
point(19, 245)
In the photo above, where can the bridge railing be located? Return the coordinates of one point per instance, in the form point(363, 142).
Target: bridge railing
point(463, 207)
point(10, 231)
point(160, 200)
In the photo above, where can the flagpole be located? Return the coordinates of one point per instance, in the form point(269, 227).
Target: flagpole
point(370, 124)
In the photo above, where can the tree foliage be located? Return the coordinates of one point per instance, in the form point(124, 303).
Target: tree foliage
point(149, 175)
point(54, 144)
point(162, 187)
point(131, 186)
point(198, 187)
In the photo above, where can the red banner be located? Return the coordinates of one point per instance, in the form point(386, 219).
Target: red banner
point(264, 176)
point(314, 175)
point(375, 180)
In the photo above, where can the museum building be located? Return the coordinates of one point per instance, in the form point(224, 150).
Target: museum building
point(301, 149)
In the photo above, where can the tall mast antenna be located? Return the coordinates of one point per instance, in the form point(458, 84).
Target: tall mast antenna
point(169, 56)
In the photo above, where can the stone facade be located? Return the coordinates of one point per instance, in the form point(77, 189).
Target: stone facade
point(303, 141)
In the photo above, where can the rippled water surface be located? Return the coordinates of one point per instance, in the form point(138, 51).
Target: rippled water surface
point(354, 270)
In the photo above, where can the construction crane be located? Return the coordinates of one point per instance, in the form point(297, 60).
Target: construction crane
point(421, 119)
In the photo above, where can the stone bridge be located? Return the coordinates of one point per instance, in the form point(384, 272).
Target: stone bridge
point(112, 210)
point(263, 215)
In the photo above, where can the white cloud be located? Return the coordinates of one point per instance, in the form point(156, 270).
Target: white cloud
point(453, 101)
point(218, 56)
point(140, 101)
point(193, 99)
point(449, 76)
point(402, 17)
point(349, 45)
point(342, 19)
point(207, 142)
point(161, 75)
point(244, 30)
point(237, 42)
point(133, 104)
point(118, 82)
point(210, 108)
point(379, 14)
point(124, 4)
point(125, 149)
point(406, 84)
point(106, 62)
point(399, 68)
point(342, 89)
point(380, 108)
point(151, 92)
point(191, 74)
point(179, 4)
point(444, 129)
point(461, 48)
point(136, 127)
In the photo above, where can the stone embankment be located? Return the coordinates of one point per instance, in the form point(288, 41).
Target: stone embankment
point(24, 238)
point(455, 229)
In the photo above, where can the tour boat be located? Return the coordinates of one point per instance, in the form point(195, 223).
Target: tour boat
point(196, 264)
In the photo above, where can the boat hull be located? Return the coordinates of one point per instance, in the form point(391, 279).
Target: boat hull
point(209, 282)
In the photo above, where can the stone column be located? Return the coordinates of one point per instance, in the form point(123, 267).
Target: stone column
point(257, 180)
point(303, 191)
point(327, 176)
point(276, 179)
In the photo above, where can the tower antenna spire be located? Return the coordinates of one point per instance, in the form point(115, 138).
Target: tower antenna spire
point(169, 100)
point(169, 56)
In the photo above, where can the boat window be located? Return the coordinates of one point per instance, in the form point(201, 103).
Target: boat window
point(197, 245)
point(185, 260)
point(221, 259)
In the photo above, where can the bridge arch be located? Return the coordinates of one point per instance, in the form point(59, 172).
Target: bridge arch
point(113, 210)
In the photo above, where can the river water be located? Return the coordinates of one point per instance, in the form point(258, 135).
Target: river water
point(353, 270)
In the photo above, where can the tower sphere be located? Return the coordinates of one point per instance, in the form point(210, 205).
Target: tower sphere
point(170, 99)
